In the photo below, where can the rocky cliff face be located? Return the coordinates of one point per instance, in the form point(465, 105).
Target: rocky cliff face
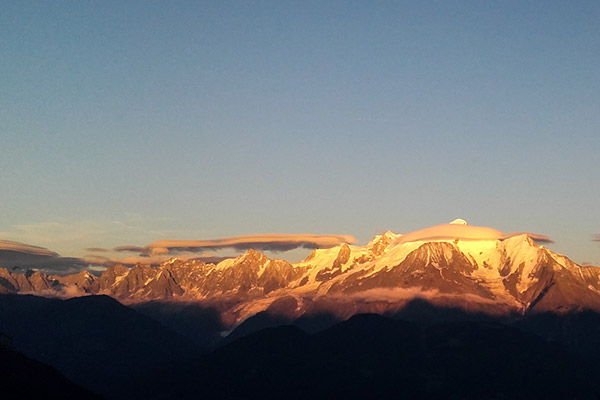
point(494, 276)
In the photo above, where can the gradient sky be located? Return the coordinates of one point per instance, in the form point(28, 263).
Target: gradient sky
point(122, 123)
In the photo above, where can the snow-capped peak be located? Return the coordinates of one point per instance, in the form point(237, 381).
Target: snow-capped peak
point(387, 236)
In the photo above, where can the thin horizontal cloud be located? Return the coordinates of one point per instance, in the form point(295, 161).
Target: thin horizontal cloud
point(131, 249)
point(97, 250)
point(596, 237)
point(268, 242)
point(9, 245)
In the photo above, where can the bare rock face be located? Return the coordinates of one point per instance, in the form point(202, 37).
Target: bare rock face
point(492, 276)
point(84, 280)
point(111, 276)
point(343, 256)
point(379, 244)
point(8, 283)
point(163, 286)
point(276, 275)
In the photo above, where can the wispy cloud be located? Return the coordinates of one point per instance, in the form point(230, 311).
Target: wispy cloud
point(596, 237)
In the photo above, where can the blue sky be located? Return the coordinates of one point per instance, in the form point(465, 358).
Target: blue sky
point(122, 123)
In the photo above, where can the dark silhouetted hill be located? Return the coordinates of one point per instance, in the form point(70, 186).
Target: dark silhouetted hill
point(24, 378)
point(370, 356)
point(95, 341)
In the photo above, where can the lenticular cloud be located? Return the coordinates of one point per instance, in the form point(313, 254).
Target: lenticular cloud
point(9, 245)
point(266, 242)
point(459, 229)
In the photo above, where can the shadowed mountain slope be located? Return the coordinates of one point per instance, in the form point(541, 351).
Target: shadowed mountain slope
point(24, 378)
point(93, 340)
point(370, 356)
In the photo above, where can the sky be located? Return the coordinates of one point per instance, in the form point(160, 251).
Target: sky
point(125, 123)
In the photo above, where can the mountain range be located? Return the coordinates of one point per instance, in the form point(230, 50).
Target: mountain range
point(450, 265)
